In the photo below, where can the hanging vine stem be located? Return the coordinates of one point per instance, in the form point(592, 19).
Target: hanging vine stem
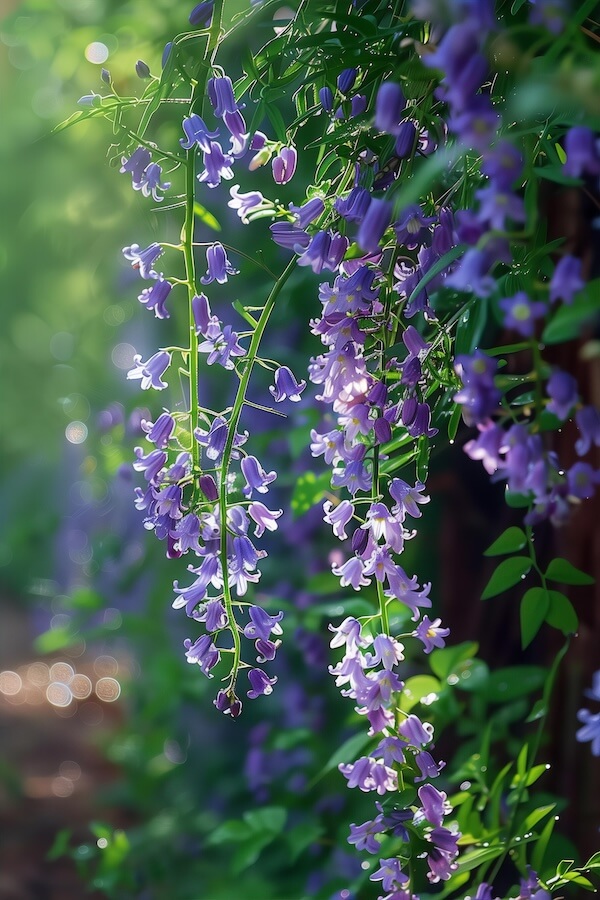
point(188, 240)
point(238, 404)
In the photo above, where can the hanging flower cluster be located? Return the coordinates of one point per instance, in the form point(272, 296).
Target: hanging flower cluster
point(405, 262)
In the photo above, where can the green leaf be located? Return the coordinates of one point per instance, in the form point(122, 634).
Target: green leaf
point(508, 573)
point(564, 572)
point(206, 217)
point(229, 832)
point(416, 688)
point(511, 540)
point(536, 816)
point(443, 662)
point(593, 862)
point(309, 490)
point(454, 421)
point(56, 639)
point(60, 845)
point(568, 321)
point(347, 753)
point(475, 858)
point(555, 173)
point(561, 614)
point(276, 120)
point(516, 501)
point(512, 682)
point(534, 606)
point(85, 599)
point(302, 836)
point(471, 326)
point(268, 818)
point(541, 845)
point(438, 267)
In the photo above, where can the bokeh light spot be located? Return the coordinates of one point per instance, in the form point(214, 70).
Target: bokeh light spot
point(108, 689)
point(10, 683)
point(122, 356)
point(81, 687)
point(76, 432)
point(58, 694)
point(96, 52)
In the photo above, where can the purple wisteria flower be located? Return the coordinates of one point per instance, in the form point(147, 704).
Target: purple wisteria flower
point(221, 96)
point(374, 224)
point(562, 390)
point(136, 165)
point(201, 15)
point(217, 165)
point(263, 517)
point(521, 313)
point(150, 372)
point(256, 477)
point(390, 874)
point(143, 260)
point(566, 280)
point(218, 264)
point(284, 165)
point(155, 298)
point(151, 182)
point(479, 396)
point(588, 423)
point(286, 386)
point(260, 683)
point(159, 432)
point(221, 345)
point(581, 147)
point(262, 625)
point(389, 106)
point(431, 634)
point(196, 132)
point(244, 204)
point(203, 652)
point(308, 212)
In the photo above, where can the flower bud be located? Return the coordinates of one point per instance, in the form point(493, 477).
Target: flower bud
point(346, 80)
point(142, 69)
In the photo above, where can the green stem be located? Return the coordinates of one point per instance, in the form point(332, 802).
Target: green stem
point(240, 399)
point(188, 241)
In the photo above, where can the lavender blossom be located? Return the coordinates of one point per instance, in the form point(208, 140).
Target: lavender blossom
point(218, 264)
point(260, 683)
point(217, 165)
point(220, 94)
point(150, 372)
point(284, 165)
point(389, 106)
point(374, 224)
point(562, 390)
point(196, 132)
point(155, 298)
point(143, 260)
point(256, 477)
point(245, 203)
point(136, 164)
point(520, 313)
point(566, 280)
point(286, 386)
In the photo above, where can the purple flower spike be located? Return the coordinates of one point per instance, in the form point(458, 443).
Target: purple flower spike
point(143, 260)
point(260, 683)
point(389, 106)
point(284, 165)
point(220, 94)
point(582, 152)
point(286, 386)
point(196, 132)
point(218, 264)
point(521, 313)
point(155, 298)
point(244, 203)
point(256, 477)
point(150, 372)
point(308, 212)
point(201, 15)
point(566, 280)
point(374, 224)
point(562, 390)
